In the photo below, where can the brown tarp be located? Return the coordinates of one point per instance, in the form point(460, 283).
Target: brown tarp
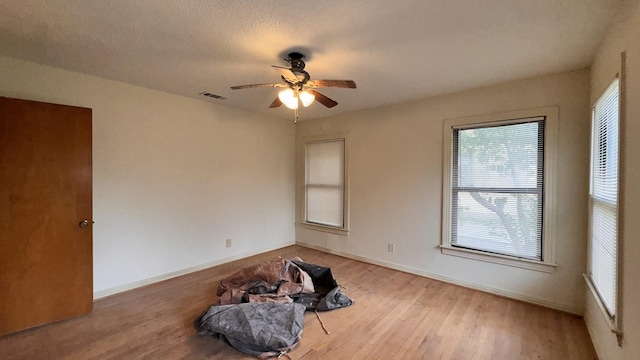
point(271, 281)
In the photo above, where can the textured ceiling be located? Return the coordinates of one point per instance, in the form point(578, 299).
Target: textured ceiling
point(396, 51)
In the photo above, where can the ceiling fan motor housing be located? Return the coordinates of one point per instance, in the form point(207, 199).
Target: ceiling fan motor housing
point(297, 67)
point(295, 59)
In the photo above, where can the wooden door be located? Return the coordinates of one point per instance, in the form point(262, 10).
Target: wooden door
point(46, 264)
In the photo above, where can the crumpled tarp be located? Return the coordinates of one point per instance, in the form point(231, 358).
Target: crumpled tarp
point(254, 328)
point(261, 308)
point(284, 281)
point(271, 281)
point(327, 294)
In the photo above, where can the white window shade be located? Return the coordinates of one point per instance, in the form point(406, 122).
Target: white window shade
point(325, 183)
point(604, 198)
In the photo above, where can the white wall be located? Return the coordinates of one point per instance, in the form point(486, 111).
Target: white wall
point(624, 35)
point(396, 187)
point(173, 177)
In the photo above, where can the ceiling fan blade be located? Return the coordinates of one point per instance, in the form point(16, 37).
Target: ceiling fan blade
point(238, 87)
point(286, 73)
point(276, 103)
point(348, 84)
point(323, 99)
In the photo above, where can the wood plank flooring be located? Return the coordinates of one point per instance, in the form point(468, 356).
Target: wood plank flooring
point(395, 316)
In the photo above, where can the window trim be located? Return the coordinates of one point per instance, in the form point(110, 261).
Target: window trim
point(547, 264)
point(614, 322)
point(345, 229)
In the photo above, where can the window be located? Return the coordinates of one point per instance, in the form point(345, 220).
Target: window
point(325, 195)
point(603, 209)
point(496, 189)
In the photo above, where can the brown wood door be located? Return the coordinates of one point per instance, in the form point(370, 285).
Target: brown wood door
point(46, 260)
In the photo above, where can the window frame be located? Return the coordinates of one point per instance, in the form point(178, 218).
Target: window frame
point(613, 320)
point(550, 114)
point(345, 229)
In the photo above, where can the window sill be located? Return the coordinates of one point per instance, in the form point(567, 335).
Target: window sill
point(609, 319)
point(499, 259)
point(325, 228)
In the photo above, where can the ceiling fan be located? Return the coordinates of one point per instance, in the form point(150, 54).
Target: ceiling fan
point(299, 86)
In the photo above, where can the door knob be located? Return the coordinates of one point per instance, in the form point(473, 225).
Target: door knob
point(84, 223)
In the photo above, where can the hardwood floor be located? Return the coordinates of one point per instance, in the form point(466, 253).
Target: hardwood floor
point(395, 316)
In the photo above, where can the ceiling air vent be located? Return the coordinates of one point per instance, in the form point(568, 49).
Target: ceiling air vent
point(211, 95)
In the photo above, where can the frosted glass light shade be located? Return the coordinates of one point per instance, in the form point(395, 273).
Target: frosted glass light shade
point(288, 98)
point(306, 98)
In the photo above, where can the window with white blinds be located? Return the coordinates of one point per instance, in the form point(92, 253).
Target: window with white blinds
point(603, 219)
point(497, 188)
point(325, 183)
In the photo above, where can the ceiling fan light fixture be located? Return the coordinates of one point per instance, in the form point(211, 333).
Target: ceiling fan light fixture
point(288, 98)
point(296, 80)
point(306, 98)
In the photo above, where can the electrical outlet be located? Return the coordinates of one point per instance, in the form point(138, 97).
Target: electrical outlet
point(391, 247)
point(228, 243)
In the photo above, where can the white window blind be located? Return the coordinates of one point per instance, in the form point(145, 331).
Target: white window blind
point(497, 188)
point(325, 182)
point(604, 197)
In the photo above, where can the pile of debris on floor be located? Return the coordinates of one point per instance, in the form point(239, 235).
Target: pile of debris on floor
point(261, 308)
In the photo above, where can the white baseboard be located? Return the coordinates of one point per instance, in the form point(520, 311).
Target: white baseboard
point(450, 280)
point(136, 284)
